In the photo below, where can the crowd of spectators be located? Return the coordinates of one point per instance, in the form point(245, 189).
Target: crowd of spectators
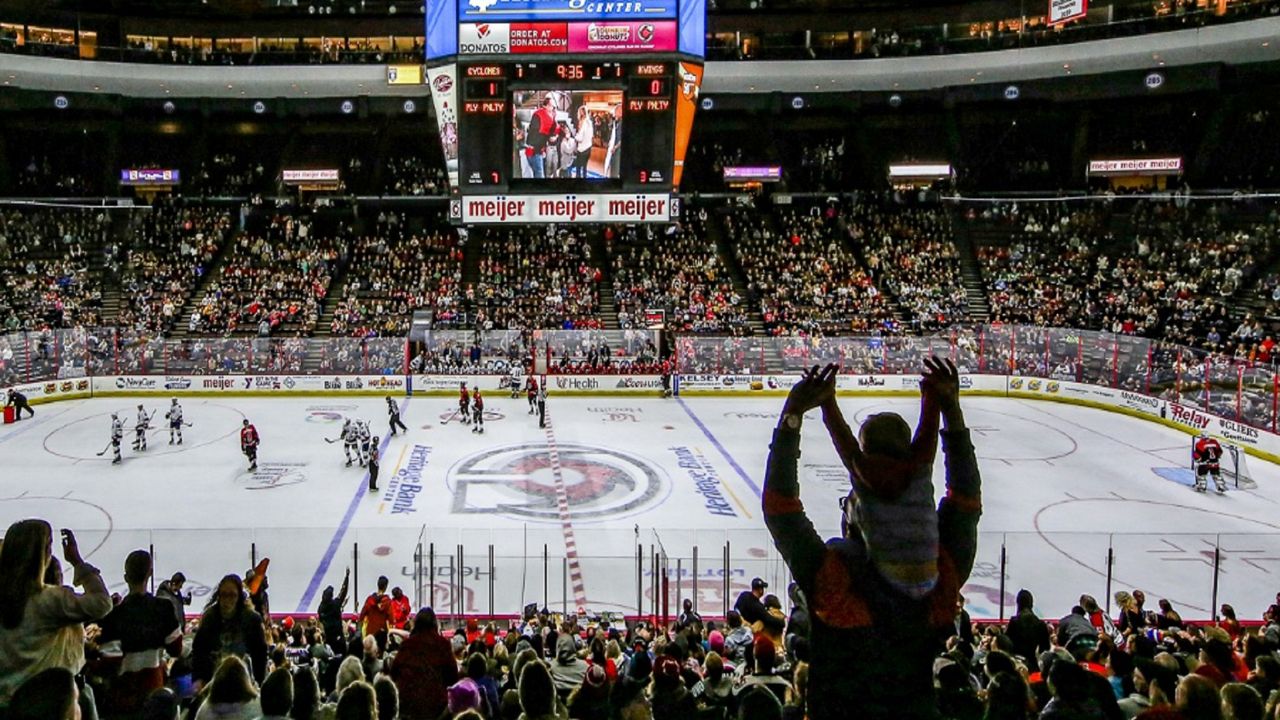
point(395, 272)
point(45, 259)
point(910, 252)
point(45, 177)
point(226, 175)
point(413, 175)
point(1063, 267)
point(536, 278)
point(272, 282)
point(677, 271)
point(806, 278)
point(164, 255)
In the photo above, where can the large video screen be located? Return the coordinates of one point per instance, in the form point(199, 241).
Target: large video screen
point(567, 134)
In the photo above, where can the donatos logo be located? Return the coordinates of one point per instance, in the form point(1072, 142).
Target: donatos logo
point(520, 482)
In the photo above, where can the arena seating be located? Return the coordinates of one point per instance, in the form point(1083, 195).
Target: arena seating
point(536, 278)
point(46, 257)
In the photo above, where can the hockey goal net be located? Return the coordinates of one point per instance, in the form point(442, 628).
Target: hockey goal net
point(1234, 464)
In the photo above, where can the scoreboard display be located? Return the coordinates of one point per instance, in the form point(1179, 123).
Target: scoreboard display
point(567, 125)
point(580, 106)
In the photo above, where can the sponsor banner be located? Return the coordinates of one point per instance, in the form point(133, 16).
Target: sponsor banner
point(569, 208)
point(920, 171)
point(317, 175)
point(484, 39)
point(604, 384)
point(444, 98)
point(404, 74)
point(770, 173)
point(844, 383)
point(479, 11)
point(265, 384)
point(622, 37)
point(1136, 166)
point(451, 383)
point(149, 176)
point(542, 38)
point(690, 79)
point(49, 390)
point(1061, 11)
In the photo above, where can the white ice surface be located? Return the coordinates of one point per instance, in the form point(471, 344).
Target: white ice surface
point(1061, 484)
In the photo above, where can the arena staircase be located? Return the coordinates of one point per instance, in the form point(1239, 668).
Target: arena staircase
point(600, 258)
point(729, 259)
point(210, 278)
point(975, 286)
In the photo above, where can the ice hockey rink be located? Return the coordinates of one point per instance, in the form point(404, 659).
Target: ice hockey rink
point(1061, 485)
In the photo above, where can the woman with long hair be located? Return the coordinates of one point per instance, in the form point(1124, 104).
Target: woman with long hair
point(584, 142)
point(42, 626)
point(229, 627)
point(231, 695)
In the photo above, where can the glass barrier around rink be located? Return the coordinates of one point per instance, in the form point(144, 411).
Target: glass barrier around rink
point(1235, 389)
point(650, 571)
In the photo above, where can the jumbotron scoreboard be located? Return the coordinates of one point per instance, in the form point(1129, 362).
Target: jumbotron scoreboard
point(565, 110)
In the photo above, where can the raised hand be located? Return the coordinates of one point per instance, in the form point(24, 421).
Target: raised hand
point(815, 388)
point(941, 380)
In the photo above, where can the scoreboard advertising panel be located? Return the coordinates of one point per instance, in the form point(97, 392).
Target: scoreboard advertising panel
point(565, 110)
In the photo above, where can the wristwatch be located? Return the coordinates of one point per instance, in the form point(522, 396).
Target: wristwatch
point(790, 421)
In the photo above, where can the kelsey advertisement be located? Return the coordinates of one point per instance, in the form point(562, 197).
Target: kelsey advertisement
point(557, 38)
point(477, 11)
point(571, 208)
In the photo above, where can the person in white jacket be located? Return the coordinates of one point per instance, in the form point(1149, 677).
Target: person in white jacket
point(583, 140)
point(42, 626)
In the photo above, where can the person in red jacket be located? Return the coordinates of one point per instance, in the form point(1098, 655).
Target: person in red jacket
point(375, 616)
point(424, 669)
point(400, 608)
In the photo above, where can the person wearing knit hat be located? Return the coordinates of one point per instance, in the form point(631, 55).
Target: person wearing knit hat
point(765, 654)
point(879, 596)
point(668, 695)
point(464, 695)
point(590, 700)
point(715, 642)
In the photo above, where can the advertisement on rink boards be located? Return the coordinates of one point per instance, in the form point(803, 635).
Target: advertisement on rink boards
point(850, 384)
point(49, 391)
point(555, 384)
point(248, 384)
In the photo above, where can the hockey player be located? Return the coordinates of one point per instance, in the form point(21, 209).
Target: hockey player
point(174, 416)
point(513, 381)
point(140, 430)
point(350, 440)
point(393, 410)
point(531, 389)
point(666, 377)
point(249, 444)
point(477, 410)
point(1208, 454)
point(464, 404)
point(117, 434)
point(365, 440)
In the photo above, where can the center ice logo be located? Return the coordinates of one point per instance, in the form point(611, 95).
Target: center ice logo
point(521, 482)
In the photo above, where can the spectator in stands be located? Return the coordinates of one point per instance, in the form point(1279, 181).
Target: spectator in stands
point(358, 702)
point(568, 670)
point(375, 616)
point(388, 698)
point(145, 628)
point(50, 694)
point(229, 627)
point(881, 595)
point(42, 626)
point(330, 615)
point(231, 695)
point(1029, 634)
point(764, 658)
point(277, 695)
point(423, 668)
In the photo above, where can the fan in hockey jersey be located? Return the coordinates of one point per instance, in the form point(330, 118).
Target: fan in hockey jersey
point(174, 416)
point(140, 430)
point(1208, 454)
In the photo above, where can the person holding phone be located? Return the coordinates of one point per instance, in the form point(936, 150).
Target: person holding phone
point(42, 626)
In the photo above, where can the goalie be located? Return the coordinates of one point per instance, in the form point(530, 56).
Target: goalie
point(1207, 454)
